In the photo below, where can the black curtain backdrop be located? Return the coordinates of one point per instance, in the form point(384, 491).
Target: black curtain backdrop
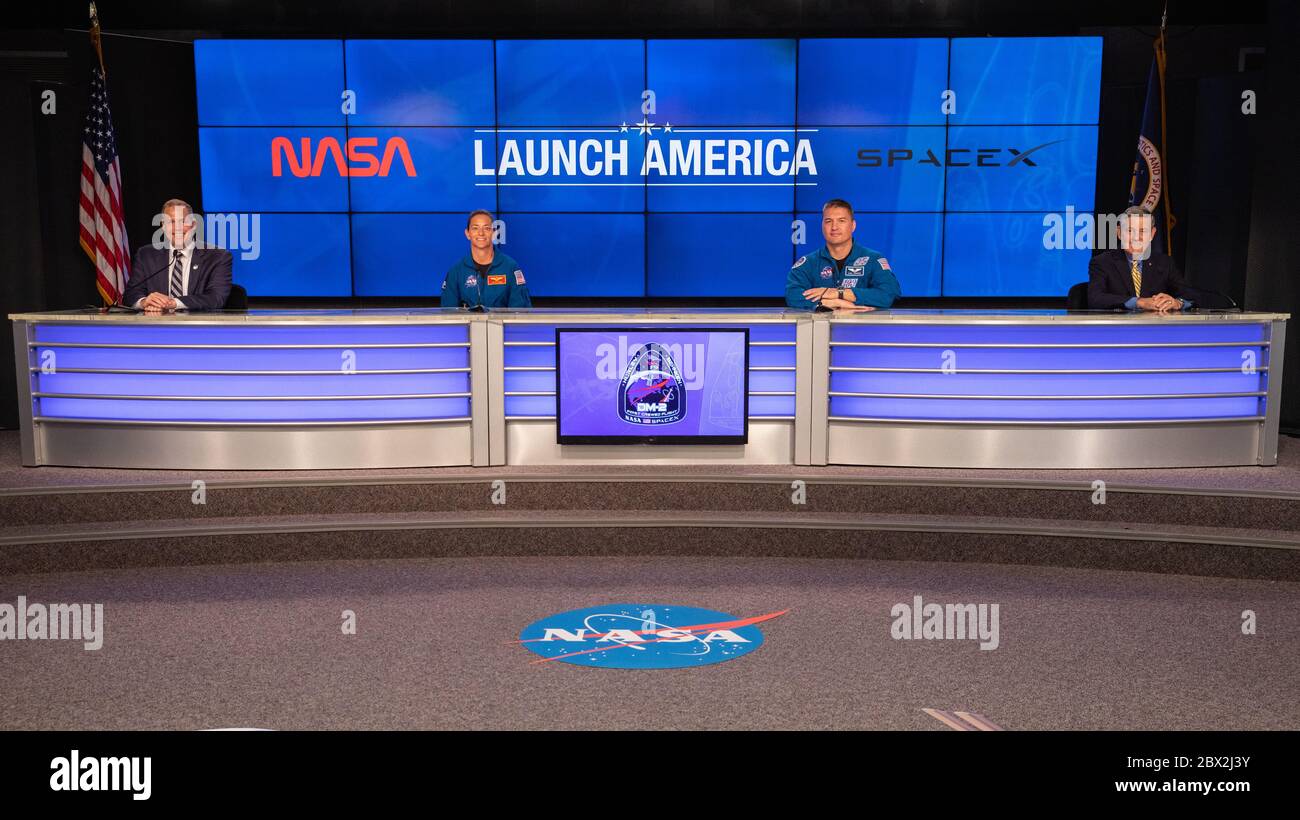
point(151, 90)
point(21, 285)
point(1273, 255)
point(1230, 183)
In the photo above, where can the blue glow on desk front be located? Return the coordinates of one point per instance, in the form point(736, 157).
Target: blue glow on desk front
point(1042, 372)
point(251, 374)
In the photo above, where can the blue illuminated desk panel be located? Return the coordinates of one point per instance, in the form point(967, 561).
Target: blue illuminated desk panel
point(335, 389)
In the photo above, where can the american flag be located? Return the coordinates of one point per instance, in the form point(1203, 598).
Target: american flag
point(103, 230)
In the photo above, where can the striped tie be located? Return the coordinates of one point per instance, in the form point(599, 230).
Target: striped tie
point(176, 286)
point(1136, 268)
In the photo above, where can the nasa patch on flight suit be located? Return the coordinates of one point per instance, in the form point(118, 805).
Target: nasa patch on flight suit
point(471, 281)
point(828, 272)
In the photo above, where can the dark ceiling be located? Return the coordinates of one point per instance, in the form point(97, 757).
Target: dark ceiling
point(30, 22)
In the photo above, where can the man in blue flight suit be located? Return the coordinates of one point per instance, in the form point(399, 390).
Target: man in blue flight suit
point(485, 277)
point(842, 274)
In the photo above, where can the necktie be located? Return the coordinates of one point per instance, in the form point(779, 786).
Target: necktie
point(1136, 269)
point(177, 283)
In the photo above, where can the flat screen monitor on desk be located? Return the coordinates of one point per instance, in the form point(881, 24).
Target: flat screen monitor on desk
point(652, 385)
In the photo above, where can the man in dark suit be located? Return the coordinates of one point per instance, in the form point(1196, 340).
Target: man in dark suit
point(181, 275)
point(1135, 276)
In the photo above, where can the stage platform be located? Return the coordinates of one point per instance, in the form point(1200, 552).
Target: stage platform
point(1229, 521)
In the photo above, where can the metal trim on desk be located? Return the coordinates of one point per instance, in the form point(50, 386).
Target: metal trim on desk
point(334, 372)
point(496, 403)
point(1030, 372)
point(339, 346)
point(233, 446)
point(1090, 446)
point(439, 316)
point(483, 342)
point(213, 423)
point(531, 441)
point(288, 318)
point(1273, 402)
point(1012, 317)
point(805, 339)
point(819, 402)
point(1062, 346)
point(29, 441)
point(1047, 422)
point(330, 397)
point(980, 397)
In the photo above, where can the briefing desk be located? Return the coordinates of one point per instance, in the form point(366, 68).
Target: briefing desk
point(338, 389)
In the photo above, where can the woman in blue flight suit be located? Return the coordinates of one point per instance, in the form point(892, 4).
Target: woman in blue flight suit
point(485, 277)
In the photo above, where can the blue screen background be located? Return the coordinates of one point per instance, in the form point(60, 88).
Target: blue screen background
point(947, 230)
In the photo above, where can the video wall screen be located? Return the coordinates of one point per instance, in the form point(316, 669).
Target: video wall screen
point(649, 168)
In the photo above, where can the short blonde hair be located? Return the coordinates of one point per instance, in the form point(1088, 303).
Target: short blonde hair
point(176, 203)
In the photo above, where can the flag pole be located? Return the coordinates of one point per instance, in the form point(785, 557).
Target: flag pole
point(101, 229)
point(1164, 131)
point(97, 43)
point(95, 39)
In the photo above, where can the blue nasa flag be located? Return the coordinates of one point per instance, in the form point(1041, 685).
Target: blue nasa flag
point(1149, 186)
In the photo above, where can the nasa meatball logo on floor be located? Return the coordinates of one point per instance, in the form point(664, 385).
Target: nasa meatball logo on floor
point(643, 636)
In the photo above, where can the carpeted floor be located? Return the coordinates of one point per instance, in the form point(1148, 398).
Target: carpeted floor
point(261, 646)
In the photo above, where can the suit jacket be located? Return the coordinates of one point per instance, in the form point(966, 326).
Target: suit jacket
point(1110, 281)
point(209, 283)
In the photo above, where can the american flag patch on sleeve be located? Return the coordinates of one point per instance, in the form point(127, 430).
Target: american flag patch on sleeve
point(884, 263)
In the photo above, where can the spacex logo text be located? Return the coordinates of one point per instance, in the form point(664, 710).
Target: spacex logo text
point(363, 163)
point(952, 157)
point(643, 636)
